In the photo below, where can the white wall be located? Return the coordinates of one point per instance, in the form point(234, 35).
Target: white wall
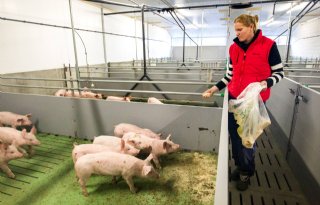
point(305, 41)
point(28, 47)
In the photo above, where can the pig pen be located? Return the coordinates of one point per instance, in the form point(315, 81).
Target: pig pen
point(187, 177)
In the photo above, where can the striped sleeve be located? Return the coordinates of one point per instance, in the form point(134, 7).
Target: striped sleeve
point(227, 78)
point(276, 66)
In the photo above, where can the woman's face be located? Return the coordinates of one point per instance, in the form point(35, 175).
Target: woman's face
point(244, 33)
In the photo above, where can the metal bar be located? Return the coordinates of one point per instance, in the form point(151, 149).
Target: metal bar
point(302, 76)
point(66, 27)
point(196, 7)
point(114, 3)
point(313, 86)
point(104, 42)
point(152, 82)
point(156, 73)
point(294, 19)
point(143, 42)
point(116, 90)
point(47, 79)
point(74, 45)
point(297, 94)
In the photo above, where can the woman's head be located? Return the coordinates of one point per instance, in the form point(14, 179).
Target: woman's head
point(245, 27)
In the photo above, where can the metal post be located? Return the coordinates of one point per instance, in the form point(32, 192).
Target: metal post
point(143, 42)
point(294, 118)
point(184, 43)
point(104, 43)
point(289, 41)
point(74, 47)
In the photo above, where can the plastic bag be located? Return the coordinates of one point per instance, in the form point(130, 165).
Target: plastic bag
point(250, 113)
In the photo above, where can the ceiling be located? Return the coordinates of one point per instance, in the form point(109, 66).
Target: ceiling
point(212, 18)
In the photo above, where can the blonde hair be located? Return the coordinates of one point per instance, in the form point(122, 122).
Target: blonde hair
point(248, 20)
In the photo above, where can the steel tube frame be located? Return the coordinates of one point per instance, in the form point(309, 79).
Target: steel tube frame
point(114, 90)
point(145, 75)
point(74, 46)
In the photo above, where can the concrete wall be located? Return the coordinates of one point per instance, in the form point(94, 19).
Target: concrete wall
point(303, 155)
point(194, 128)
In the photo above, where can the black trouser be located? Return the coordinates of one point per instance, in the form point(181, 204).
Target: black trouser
point(243, 157)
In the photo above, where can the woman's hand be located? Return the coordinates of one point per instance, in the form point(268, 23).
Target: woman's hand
point(263, 85)
point(208, 93)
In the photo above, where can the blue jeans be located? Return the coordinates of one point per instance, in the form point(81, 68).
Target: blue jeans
point(243, 157)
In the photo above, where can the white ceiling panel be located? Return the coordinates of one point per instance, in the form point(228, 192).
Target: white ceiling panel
point(212, 19)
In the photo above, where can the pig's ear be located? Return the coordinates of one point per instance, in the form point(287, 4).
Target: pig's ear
point(146, 170)
point(122, 144)
point(166, 145)
point(29, 115)
point(33, 130)
point(169, 137)
point(24, 133)
point(20, 120)
point(160, 134)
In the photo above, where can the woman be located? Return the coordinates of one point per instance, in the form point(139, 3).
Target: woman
point(253, 58)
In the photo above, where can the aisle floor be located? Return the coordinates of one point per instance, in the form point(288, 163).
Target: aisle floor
point(273, 182)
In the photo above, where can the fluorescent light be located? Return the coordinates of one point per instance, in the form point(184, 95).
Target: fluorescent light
point(268, 21)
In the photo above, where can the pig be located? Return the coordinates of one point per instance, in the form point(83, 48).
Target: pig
point(115, 143)
point(158, 147)
point(114, 164)
point(7, 153)
point(89, 94)
point(74, 94)
point(14, 120)
point(18, 138)
point(114, 98)
point(83, 149)
point(60, 93)
point(123, 128)
point(153, 100)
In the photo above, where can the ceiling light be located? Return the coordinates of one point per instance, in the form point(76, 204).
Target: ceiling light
point(241, 5)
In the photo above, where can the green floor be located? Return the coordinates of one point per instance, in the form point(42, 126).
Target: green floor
point(48, 178)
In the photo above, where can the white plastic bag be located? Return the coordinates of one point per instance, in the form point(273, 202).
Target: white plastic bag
point(250, 113)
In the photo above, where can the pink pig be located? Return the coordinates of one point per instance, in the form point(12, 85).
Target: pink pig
point(114, 98)
point(153, 100)
point(83, 149)
point(7, 153)
point(115, 143)
point(159, 147)
point(60, 93)
point(14, 120)
point(123, 128)
point(89, 94)
point(19, 138)
point(114, 164)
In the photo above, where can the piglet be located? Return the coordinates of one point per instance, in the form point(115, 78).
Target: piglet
point(83, 149)
point(114, 98)
point(60, 93)
point(89, 94)
point(122, 128)
point(114, 164)
point(153, 100)
point(158, 147)
point(14, 120)
point(115, 143)
point(7, 153)
point(19, 138)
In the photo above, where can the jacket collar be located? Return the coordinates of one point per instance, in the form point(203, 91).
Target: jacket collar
point(245, 46)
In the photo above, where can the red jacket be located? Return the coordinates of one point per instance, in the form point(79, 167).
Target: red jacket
point(250, 66)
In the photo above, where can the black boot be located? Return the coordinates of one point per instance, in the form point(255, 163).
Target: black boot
point(235, 175)
point(243, 183)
